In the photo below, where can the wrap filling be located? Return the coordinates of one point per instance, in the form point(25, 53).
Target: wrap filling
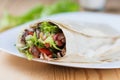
point(43, 40)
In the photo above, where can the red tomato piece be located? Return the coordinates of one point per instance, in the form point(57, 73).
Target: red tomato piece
point(47, 45)
point(30, 33)
point(45, 51)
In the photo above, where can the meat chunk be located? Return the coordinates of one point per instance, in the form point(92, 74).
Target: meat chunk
point(59, 39)
point(25, 34)
point(35, 52)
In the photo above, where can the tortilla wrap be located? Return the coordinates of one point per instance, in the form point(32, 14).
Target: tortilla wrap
point(82, 47)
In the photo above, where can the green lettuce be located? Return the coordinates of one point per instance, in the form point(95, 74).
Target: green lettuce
point(51, 42)
point(46, 27)
point(28, 55)
point(9, 21)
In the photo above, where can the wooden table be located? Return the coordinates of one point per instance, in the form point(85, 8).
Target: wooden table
point(15, 68)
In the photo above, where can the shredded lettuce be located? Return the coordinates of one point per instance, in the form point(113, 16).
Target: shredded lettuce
point(28, 55)
point(29, 41)
point(23, 48)
point(51, 42)
point(32, 40)
point(46, 28)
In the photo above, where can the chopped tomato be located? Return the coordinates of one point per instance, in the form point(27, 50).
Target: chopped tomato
point(45, 51)
point(47, 45)
point(59, 43)
point(59, 39)
point(30, 33)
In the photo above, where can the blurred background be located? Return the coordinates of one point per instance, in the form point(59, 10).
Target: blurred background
point(17, 12)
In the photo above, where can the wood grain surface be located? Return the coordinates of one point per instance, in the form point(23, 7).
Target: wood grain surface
point(15, 68)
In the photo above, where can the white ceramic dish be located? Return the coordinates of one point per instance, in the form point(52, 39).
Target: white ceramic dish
point(9, 38)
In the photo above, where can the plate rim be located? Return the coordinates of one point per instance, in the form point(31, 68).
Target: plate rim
point(53, 63)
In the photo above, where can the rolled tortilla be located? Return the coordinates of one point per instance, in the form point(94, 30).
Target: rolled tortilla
point(81, 47)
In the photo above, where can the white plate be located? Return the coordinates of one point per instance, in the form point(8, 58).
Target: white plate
point(8, 38)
